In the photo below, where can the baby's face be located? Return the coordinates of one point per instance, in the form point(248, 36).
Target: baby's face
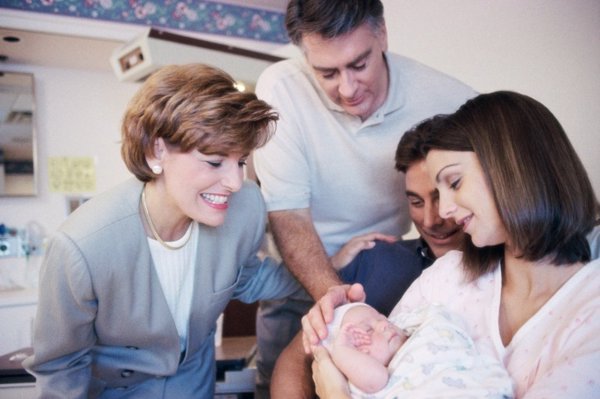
point(385, 337)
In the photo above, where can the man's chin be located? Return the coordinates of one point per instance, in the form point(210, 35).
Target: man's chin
point(447, 240)
point(359, 109)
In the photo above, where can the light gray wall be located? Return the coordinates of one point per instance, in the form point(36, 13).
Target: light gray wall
point(547, 49)
point(78, 114)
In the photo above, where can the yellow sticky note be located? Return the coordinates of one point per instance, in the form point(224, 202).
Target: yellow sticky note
point(72, 174)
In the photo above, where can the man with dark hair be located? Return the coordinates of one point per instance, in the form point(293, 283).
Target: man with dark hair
point(387, 269)
point(326, 175)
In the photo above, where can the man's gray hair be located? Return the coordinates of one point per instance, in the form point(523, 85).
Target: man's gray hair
point(331, 18)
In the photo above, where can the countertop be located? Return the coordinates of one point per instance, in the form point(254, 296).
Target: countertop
point(15, 297)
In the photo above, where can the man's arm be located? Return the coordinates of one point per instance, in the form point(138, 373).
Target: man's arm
point(292, 376)
point(302, 250)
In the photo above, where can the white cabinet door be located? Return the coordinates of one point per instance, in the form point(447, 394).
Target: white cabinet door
point(17, 313)
point(16, 327)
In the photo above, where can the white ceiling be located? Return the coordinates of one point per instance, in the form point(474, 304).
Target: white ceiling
point(56, 50)
point(64, 42)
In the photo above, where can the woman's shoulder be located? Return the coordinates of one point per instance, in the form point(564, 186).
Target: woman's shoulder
point(586, 279)
point(584, 283)
point(105, 209)
point(593, 266)
point(248, 196)
point(246, 207)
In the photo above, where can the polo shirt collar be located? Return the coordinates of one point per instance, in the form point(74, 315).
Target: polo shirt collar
point(424, 251)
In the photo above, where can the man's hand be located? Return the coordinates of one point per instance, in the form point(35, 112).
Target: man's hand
point(314, 323)
point(353, 247)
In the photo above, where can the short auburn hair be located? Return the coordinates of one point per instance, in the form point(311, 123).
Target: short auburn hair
point(192, 107)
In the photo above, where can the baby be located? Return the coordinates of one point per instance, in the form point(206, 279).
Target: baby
point(422, 354)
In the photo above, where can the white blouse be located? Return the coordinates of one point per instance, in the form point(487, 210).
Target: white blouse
point(175, 269)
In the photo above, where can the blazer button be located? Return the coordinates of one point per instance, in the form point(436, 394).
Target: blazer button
point(126, 373)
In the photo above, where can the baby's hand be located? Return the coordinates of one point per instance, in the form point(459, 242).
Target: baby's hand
point(314, 323)
point(353, 335)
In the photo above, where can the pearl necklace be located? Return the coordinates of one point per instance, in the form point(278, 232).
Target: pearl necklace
point(153, 229)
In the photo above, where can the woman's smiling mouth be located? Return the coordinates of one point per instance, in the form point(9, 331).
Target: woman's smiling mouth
point(216, 200)
point(464, 222)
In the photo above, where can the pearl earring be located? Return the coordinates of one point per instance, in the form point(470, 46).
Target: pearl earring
point(156, 169)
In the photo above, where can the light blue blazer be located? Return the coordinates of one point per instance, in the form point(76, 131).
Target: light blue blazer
point(103, 327)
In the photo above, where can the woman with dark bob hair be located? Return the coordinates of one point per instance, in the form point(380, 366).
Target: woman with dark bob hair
point(524, 282)
point(134, 280)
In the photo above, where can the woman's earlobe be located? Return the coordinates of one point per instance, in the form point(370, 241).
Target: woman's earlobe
point(156, 169)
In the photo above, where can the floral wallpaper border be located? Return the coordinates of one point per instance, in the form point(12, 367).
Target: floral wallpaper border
point(190, 15)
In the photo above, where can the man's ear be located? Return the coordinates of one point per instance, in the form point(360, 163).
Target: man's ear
point(382, 36)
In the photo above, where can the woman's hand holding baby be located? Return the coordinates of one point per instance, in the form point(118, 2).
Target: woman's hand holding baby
point(330, 383)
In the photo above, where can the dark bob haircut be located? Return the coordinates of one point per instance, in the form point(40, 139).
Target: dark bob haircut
point(540, 187)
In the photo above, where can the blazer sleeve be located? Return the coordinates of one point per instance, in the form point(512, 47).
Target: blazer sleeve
point(261, 277)
point(265, 279)
point(64, 331)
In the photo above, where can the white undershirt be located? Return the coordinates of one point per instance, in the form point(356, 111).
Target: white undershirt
point(175, 269)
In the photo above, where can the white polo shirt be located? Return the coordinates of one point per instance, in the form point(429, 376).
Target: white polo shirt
point(340, 167)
